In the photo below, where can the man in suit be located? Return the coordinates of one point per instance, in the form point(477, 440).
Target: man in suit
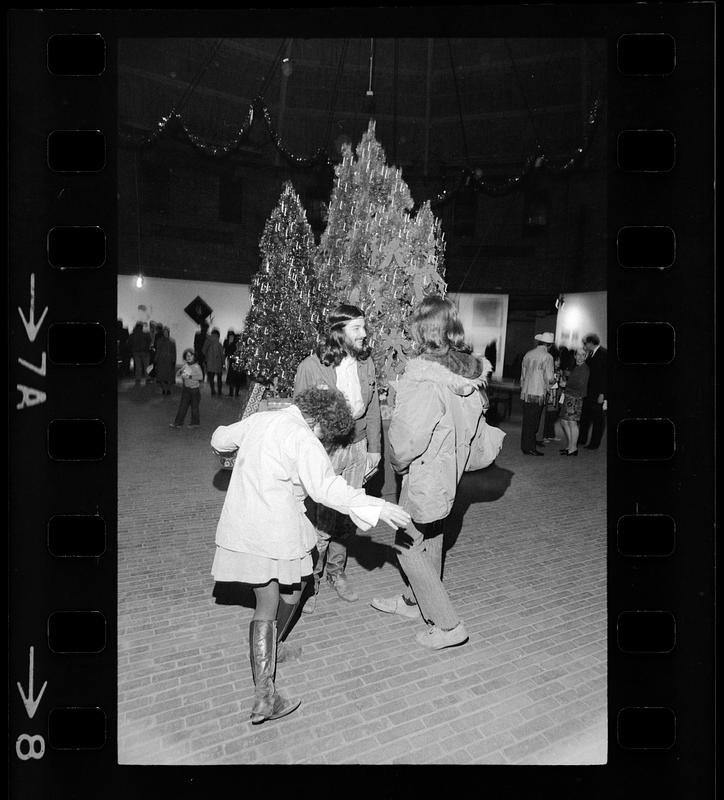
point(592, 414)
point(342, 361)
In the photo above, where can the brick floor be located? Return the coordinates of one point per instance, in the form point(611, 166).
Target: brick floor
point(525, 568)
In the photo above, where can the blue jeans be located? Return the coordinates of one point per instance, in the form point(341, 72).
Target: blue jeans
point(189, 397)
point(419, 551)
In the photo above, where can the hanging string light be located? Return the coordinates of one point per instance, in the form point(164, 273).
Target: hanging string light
point(499, 186)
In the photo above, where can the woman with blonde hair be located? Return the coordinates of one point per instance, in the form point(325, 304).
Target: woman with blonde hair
point(572, 403)
point(438, 409)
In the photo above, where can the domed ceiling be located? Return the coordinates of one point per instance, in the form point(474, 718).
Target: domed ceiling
point(439, 103)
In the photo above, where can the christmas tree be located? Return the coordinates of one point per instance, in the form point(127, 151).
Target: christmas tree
point(287, 300)
point(376, 255)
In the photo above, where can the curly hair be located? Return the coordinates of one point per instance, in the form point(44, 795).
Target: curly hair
point(329, 408)
point(331, 349)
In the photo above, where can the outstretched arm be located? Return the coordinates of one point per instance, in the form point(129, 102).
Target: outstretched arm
point(323, 486)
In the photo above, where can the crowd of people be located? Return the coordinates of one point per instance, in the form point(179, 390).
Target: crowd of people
point(569, 386)
point(296, 492)
point(148, 354)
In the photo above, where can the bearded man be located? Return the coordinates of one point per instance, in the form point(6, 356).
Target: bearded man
point(342, 361)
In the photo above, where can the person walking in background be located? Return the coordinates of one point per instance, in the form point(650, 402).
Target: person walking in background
point(213, 354)
point(264, 540)
point(235, 374)
point(155, 330)
point(122, 354)
point(139, 343)
point(574, 393)
point(536, 376)
point(191, 378)
point(566, 358)
point(199, 342)
point(342, 362)
point(552, 405)
point(594, 406)
point(165, 361)
point(438, 409)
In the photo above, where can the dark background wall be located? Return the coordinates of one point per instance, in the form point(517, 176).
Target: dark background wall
point(184, 214)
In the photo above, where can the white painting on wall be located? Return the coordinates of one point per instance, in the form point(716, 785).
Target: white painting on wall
point(485, 319)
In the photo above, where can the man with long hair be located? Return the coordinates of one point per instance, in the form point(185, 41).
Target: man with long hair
point(342, 362)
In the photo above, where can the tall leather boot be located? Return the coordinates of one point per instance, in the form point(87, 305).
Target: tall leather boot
point(286, 616)
point(268, 703)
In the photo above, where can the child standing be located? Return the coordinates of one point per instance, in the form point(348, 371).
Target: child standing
point(191, 377)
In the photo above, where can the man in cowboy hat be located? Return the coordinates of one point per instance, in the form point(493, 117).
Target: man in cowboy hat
point(537, 373)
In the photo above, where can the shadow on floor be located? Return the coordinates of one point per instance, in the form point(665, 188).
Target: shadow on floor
point(482, 486)
point(370, 554)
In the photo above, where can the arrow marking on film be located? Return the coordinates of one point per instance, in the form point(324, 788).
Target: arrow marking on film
point(31, 327)
point(31, 703)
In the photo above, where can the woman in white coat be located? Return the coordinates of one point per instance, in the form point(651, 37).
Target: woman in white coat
point(264, 539)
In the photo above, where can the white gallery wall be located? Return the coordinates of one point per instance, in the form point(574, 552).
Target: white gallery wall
point(485, 319)
point(580, 314)
point(163, 300)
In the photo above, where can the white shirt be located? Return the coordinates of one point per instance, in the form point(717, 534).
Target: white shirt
point(348, 384)
point(279, 462)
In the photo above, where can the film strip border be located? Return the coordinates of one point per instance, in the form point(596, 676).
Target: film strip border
point(63, 437)
point(63, 420)
point(660, 307)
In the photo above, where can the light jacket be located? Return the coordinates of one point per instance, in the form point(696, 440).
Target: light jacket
point(279, 462)
point(312, 373)
point(536, 374)
point(437, 412)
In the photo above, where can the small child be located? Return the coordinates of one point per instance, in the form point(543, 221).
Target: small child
point(191, 377)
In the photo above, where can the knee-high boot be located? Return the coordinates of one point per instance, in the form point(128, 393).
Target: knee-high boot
point(268, 703)
point(286, 617)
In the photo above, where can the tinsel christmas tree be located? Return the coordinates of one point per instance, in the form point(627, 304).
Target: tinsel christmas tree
point(287, 300)
point(377, 256)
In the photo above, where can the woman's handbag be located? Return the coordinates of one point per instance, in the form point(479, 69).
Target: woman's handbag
point(227, 459)
point(485, 446)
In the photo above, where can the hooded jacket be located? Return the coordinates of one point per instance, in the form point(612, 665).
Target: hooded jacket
point(437, 411)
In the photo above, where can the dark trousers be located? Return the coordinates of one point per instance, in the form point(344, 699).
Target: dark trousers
point(592, 416)
point(189, 397)
point(549, 426)
point(531, 421)
point(214, 377)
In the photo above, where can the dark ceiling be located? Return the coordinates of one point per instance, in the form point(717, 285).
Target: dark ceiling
point(439, 103)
